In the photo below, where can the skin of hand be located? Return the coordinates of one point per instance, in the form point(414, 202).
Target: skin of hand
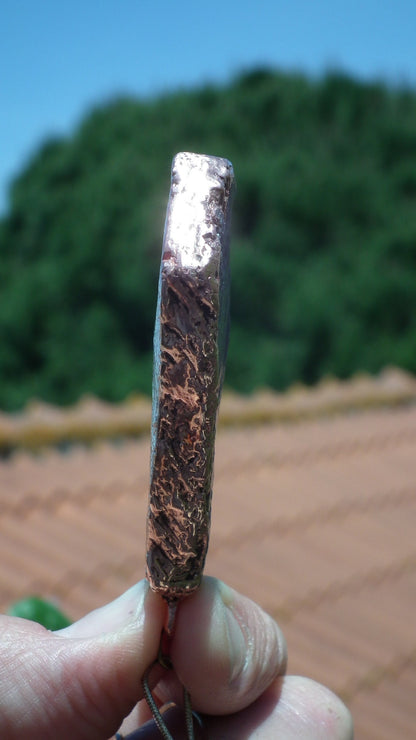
point(82, 681)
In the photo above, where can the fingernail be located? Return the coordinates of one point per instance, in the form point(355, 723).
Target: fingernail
point(238, 639)
point(125, 612)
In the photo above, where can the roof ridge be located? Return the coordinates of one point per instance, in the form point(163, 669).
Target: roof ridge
point(41, 424)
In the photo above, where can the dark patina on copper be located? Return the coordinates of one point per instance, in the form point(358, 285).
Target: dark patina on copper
point(190, 345)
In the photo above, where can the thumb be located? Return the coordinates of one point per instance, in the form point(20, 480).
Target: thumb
point(81, 681)
point(226, 650)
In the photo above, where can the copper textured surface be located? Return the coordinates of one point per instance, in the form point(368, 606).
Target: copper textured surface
point(190, 343)
point(314, 520)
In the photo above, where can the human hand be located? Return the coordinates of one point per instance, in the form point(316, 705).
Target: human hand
point(81, 681)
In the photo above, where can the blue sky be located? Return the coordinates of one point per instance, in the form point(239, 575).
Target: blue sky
point(57, 59)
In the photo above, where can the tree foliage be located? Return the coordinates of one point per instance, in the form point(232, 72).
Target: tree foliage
point(41, 611)
point(323, 250)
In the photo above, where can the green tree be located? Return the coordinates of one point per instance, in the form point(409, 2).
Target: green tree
point(323, 251)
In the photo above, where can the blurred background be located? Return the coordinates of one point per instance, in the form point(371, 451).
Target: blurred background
point(315, 105)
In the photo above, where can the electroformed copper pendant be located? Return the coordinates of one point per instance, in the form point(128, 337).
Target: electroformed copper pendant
point(190, 345)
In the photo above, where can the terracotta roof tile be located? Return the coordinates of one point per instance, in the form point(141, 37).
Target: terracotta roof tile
point(314, 519)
